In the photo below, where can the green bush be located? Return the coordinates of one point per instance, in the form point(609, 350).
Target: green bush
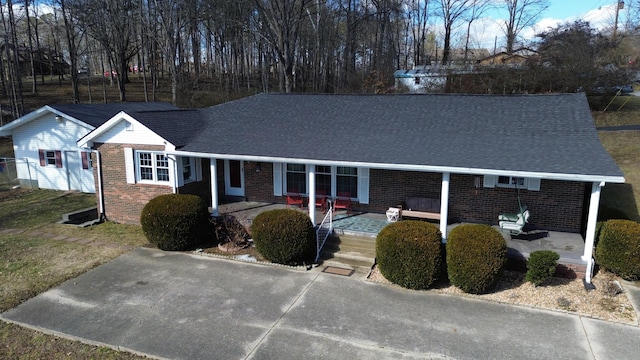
point(541, 266)
point(409, 253)
point(618, 249)
point(284, 236)
point(476, 255)
point(175, 221)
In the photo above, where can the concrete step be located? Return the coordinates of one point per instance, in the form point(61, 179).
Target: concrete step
point(353, 251)
point(365, 246)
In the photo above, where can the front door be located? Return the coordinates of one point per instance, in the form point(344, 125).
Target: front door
point(234, 177)
point(74, 170)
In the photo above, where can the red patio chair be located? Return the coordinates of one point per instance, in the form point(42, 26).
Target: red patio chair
point(321, 200)
point(343, 201)
point(294, 198)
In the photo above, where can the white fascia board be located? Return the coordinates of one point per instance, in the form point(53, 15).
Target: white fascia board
point(69, 118)
point(8, 129)
point(87, 140)
point(407, 167)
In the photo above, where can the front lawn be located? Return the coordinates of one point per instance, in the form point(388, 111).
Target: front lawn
point(624, 148)
point(37, 254)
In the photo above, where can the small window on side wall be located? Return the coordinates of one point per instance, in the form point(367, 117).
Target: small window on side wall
point(50, 158)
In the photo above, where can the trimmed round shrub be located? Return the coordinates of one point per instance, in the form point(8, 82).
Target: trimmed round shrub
point(409, 253)
point(284, 236)
point(476, 255)
point(175, 222)
point(541, 266)
point(618, 250)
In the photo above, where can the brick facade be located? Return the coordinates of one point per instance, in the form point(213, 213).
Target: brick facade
point(557, 206)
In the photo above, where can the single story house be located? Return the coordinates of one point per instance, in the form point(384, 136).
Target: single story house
point(479, 155)
point(44, 143)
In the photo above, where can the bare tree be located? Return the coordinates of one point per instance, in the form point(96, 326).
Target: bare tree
point(73, 37)
point(13, 60)
point(281, 23)
point(418, 15)
point(452, 11)
point(522, 14)
point(478, 8)
point(111, 23)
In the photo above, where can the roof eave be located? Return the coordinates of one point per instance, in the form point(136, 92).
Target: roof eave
point(411, 167)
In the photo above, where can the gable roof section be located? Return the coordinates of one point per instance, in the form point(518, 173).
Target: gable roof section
point(175, 126)
point(88, 115)
point(551, 136)
point(97, 114)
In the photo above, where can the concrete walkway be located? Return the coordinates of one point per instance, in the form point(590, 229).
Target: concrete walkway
point(180, 306)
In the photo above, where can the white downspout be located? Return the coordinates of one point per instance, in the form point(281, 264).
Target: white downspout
point(590, 235)
point(101, 215)
point(444, 205)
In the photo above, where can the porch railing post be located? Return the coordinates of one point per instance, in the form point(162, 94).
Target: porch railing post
point(444, 205)
point(214, 187)
point(312, 194)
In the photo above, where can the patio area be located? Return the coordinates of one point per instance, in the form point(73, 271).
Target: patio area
point(569, 246)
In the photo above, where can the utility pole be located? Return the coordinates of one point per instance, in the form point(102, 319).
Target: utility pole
point(619, 7)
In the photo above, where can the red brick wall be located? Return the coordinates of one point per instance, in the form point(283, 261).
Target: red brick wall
point(259, 185)
point(557, 206)
point(123, 202)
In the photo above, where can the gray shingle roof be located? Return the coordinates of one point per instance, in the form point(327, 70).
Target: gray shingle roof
point(176, 126)
point(527, 133)
point(97, 114)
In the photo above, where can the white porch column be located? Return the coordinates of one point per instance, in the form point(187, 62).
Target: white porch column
point(444, 205)
point(590, 236)
point(214, 187)
point(312, 193)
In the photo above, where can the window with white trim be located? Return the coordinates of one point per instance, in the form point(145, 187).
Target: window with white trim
point(512, 182)
point(323, 180)
point(188, 173)
point(50, 157)
point(296, 178)
point(152, 167)
point(347, 180)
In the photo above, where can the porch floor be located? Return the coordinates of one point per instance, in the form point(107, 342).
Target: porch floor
point(569, 246)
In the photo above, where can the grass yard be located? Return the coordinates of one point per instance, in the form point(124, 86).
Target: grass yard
point(41, 254)
point(623, 110)
point(624, 147)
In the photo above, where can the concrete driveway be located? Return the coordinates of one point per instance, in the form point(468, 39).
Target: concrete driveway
point(179, 306)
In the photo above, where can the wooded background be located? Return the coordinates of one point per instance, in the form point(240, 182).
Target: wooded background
point(332, 46)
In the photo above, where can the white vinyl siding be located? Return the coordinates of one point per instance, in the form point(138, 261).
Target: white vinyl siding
point(36, 135)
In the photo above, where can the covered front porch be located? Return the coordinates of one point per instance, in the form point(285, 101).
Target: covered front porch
point(365, 226)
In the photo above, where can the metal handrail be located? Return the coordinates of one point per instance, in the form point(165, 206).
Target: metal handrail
point(328, 218)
